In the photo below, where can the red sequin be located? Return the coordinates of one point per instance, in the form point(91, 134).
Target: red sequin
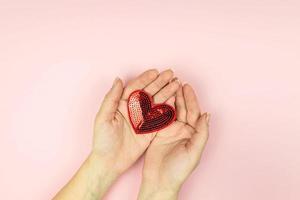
point(147, 117)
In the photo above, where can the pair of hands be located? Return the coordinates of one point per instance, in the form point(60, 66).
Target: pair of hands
point(171, 153)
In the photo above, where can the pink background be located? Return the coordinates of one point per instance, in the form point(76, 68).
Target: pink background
point(58, 58)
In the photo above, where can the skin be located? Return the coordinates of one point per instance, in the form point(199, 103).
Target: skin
point(172, 153)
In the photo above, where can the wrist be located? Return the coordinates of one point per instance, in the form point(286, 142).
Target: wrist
point(100, 168)
point(101, 177)
point(155, 191)
point(91, 181)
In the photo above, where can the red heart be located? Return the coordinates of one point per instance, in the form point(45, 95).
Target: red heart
point(147, 117)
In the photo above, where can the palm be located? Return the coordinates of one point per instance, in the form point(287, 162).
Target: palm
point(137, 143)
point(168, 159)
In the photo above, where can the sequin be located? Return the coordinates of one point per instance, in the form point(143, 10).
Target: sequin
point(147, 117)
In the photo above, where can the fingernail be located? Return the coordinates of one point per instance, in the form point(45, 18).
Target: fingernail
point(115, 81)
point(176, 80)
point(207, 117)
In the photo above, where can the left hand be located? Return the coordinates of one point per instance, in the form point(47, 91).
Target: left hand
point(116, 146)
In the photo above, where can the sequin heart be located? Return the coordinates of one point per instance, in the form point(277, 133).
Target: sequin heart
point(147, 117)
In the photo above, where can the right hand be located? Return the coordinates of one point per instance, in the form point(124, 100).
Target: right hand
point(176, 150)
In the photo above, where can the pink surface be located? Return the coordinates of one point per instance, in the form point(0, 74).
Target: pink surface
point(58, 58)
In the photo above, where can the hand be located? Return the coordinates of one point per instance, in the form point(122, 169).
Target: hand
point(115, 141)
point(176, 150)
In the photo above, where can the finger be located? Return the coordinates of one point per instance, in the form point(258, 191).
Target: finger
point(165, 93)
point(171, 101)
point(163, 79)
point(199, 139)
point(180, 105)
point(191, 102)
point(140, 82)
point(111, 101)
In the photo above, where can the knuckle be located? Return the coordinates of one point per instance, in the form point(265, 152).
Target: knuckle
point(157, 85)
point(153, 74)
point(193, 113)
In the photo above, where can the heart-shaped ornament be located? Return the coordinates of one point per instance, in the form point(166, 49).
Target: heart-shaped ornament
point(147, 117)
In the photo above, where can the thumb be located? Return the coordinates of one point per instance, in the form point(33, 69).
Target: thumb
point(200, 138)
point(111, 101)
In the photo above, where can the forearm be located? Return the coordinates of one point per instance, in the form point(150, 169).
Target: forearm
point(90, 182)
